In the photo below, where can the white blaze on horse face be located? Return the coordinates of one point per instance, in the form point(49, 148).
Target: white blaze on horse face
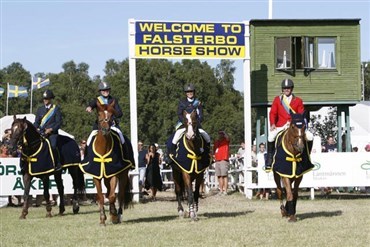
point(190, 132)
point(106, 116)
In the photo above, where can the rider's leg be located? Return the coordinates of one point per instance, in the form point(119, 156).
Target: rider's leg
point(206, 138)
point(175, 140)
point(270, 149)
point(119, 133)
point(309, 138)
point(53, 143)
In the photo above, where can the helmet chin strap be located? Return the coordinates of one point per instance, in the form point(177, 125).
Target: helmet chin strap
point(191, 99)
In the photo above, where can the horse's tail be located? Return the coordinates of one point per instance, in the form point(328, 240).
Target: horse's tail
point(80, 181)
point(127, 202)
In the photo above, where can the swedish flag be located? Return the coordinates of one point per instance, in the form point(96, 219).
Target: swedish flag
point(38, 82)
point(17, 91)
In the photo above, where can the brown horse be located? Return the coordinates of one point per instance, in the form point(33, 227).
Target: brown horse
point(189, 165)
point(291, 161)
point(106, 161)
point(38, 160)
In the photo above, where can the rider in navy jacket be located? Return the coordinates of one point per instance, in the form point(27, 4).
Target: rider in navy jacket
point(49, 119)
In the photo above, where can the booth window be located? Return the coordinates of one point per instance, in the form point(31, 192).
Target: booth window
point(304, 53)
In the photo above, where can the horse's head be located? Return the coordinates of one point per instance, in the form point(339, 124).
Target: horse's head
point(18, 129)
point(105, 117)
point(191, 124)
point(297, 132)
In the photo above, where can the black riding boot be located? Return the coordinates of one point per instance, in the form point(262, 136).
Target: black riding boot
point(270, 155)
point(57, 162)
point(128, 153)
point(309, 144)
point(173, 149)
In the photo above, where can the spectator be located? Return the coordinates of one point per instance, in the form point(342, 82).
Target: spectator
point(221, 155)
point(254, 156)
point(261, 160)
point(6, 137)
point(142, 166)
point(367, 147)
point(153, 180)
point(240, 154)
point(330, 145)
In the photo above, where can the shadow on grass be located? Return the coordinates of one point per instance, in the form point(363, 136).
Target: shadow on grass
point(320, 214)
point(226, 214)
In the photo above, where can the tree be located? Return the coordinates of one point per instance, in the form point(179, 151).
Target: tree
point(366, 78)
point(325, 126)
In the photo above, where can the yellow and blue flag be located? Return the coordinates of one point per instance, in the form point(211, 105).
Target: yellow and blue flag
point(17, 91)
point(38, 82)
point(1, 91)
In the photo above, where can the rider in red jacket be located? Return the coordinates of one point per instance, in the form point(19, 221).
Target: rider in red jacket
point(281, 108)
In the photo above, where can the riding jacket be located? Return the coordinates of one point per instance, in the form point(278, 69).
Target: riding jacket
point(106, 101)
point(280, 114)
point(189, 106)
point(48, 117)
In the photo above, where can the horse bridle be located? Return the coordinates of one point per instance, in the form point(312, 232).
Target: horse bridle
point(105, 120)
point(299, 136)
point(193, 125)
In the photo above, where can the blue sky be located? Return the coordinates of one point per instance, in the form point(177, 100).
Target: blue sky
point(42, 35)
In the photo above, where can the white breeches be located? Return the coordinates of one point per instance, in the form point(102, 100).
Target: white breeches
point(273, 134)
point(181, 131)
point(94, 132)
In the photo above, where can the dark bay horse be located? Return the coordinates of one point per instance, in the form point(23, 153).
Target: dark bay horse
point(291, 162)
point(37, 160)
point(188, 164)
point(105, 161)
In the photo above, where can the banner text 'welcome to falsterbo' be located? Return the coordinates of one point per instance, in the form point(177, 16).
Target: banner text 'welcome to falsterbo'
point(189, 40)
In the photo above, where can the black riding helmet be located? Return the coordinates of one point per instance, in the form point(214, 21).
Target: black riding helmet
point(287, 83)
point(104, 86)
point(48, 94)
point(189, 88)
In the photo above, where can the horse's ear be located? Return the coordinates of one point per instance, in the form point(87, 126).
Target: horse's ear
point(14, 117)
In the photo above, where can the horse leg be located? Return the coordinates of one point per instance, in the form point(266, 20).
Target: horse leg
point(189, 189)
point(179, 190)
point(279, 193)
point(198, 183)
point(112, 200)
point(289, 200)
point(45, 183)
point(27, 178)
point(73, 172)
point(100, 200)
point(60, 187)
point(297, 182)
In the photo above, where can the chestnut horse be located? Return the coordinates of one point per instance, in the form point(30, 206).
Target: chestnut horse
point(189, 165)
point(38, 161)
point(106, 162)
point(291, 161)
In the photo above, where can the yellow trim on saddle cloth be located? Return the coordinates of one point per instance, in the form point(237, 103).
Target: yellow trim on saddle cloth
point(191, 155)
point(33, 158)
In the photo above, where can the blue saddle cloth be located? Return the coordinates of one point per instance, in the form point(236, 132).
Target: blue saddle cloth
point(41, 162)
point(69, 152)
point(107, 165)
point(188, 161)
point(288, 165)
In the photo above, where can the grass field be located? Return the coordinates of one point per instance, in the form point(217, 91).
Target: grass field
point(223, 221)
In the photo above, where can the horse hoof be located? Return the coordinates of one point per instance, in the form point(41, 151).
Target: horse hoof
point(283, 211)
point(22, 217)
point(49, 215)
point(76, 210)
point(292, 219)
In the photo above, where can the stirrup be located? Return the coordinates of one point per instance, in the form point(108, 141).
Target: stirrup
point(267, 168)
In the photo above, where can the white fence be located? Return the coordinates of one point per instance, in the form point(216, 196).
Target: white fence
point(331, 170)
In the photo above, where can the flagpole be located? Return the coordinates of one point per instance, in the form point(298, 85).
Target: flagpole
point(31, 94)
point(7, 98)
